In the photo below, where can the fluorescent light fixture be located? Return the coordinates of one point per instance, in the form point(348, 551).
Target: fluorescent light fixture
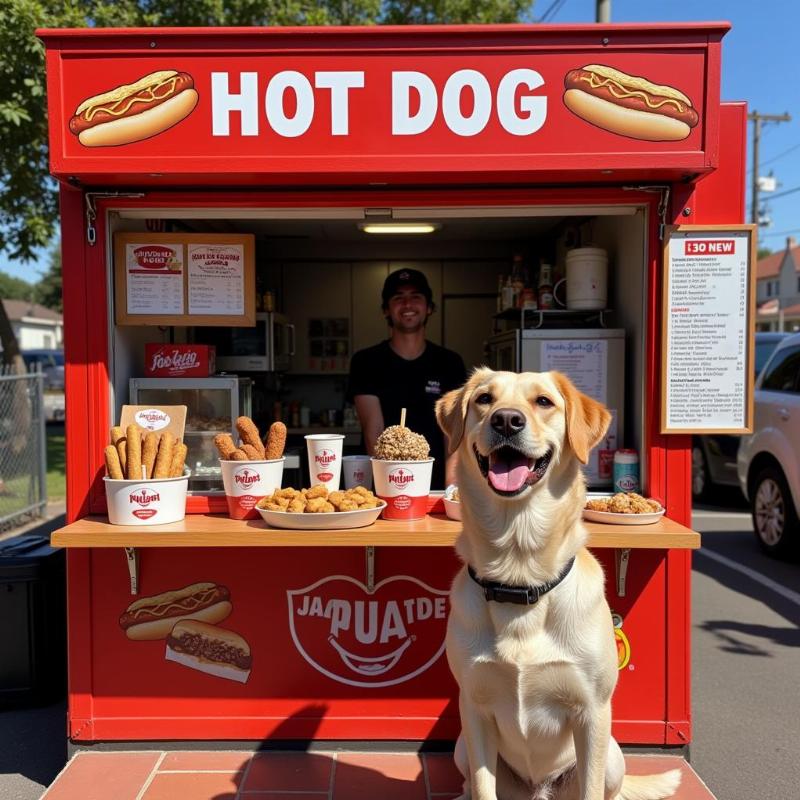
point(399, 227)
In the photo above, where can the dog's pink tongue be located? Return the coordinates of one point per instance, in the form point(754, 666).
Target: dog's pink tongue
point(508, 476)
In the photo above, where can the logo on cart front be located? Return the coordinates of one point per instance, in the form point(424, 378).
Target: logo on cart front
point(401, 477)
point(246, 477)
point(143, 498)
point(371, 639)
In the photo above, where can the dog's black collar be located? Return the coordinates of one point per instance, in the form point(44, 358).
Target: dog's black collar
point(523, 595)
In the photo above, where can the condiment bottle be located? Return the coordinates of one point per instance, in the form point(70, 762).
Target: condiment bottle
point(517, 279)
point(546, 301)
point(626, 471)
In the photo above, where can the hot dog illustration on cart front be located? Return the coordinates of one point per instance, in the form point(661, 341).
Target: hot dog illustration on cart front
point(629, 105)
point(136, 111)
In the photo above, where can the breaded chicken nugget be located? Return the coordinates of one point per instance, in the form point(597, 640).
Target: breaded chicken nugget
point(597, 504)
point(348, 505)
point(320, 490)
point(336, 498)
point(318, 505)
point(297, 506)
point(288, 492)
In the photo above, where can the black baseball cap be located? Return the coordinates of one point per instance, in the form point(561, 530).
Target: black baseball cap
point(405, 277)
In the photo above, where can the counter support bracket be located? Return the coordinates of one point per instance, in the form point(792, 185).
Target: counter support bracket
point(132, 557)
point(622, 557)
point(370, 568)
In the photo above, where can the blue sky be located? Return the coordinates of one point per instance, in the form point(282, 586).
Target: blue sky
point(760, 49)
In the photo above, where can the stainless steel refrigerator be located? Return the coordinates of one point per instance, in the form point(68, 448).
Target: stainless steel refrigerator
point(593, 358)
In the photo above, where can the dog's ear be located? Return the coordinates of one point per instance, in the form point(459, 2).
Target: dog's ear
point(587, 420)
point(451, 414)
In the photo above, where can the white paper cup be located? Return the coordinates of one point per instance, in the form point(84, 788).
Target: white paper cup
point(325, 459)
point(152, 502)
point(404, 485)
point(246, 482)
point(357, 471)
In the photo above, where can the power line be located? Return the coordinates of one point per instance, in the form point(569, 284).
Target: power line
point(783, 194)
point(552, 10)
point(775, 158)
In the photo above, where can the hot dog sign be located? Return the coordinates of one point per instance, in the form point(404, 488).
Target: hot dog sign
point(287, 104)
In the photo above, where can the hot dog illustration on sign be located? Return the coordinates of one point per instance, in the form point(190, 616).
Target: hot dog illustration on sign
point(136, 111)
point(370, 639)
point(629, 105)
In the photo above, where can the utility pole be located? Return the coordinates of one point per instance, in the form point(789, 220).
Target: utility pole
point(757, 119)
point(603, 11)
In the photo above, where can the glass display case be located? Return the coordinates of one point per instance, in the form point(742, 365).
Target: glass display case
point(212, 406)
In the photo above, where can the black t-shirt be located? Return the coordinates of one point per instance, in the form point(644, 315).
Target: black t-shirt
point(415, 385)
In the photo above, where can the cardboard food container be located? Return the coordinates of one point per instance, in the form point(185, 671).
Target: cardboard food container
point(246, 482)
point(404, 485)
point(157, 501)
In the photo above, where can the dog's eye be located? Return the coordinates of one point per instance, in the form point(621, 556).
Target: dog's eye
point(484, 399)
point(544, 402)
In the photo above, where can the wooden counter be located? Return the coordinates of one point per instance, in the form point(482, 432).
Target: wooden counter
point(214, 530)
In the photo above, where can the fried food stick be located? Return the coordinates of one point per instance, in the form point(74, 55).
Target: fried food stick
point(116, 434)
point(276, 440)
point(164, 457)
point(122, 452)
point(251, 452)
point(134, 445)
point(113, 466)
point(178, 460)
point(149, 450)
point(248, 433)
point(225, 446)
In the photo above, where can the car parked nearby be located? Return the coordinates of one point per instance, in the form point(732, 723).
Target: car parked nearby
point(51, 363)
point(768, 462)
point(714, 454)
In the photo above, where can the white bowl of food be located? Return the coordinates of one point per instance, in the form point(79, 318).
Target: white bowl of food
point(452, 502)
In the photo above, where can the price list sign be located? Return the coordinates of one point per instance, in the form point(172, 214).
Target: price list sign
point(707, 329)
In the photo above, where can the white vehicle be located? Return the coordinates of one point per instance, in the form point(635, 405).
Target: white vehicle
point(768, 462)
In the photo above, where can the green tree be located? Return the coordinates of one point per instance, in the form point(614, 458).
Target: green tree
point(12, 288)
point(49, 289)
point(763, 252)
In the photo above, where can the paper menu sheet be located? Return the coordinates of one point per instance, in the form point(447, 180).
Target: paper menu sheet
point(707, 338)
point(216, 279)
point(585, 361)
point(154, 275)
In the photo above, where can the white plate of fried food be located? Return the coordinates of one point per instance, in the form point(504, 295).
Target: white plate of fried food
point(317, 509)
point(622, 508)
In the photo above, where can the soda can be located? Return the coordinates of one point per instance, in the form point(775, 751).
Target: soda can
point(626, 471)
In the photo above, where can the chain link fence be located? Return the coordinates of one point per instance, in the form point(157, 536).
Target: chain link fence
point(23, 455)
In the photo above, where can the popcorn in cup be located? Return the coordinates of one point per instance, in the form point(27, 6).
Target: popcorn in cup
point(404, 485)
point(246, 482)
point(357, 472)
point(325, 459)
point(156, 501)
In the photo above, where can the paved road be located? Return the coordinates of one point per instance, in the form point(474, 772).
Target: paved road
point(745, 663)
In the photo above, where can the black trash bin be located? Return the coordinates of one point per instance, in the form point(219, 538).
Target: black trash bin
point(33, 622)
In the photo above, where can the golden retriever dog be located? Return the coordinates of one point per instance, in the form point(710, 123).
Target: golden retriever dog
point(530, 639)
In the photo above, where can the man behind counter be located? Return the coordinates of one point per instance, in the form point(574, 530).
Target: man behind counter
point(406, 371)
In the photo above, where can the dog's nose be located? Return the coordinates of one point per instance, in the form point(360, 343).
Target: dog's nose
point(507, 421)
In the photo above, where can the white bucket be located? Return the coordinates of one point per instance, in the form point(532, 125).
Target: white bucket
point(246, 482)
point(404, 485)
point(357, 471)
point(587, 278)
point(152, 502)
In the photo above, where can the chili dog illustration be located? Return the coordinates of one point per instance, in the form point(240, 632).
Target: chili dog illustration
point(628, 104)
point(135, 111)
point(154, 617)
point(207, 648)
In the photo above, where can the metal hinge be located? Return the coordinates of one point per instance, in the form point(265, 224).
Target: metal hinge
point(663, 190)
point(91, 198)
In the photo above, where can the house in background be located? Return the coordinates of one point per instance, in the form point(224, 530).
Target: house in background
point(36, 327)
point(778, 290)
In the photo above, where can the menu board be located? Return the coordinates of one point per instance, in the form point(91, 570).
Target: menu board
point(184, 279)
point(707, 329)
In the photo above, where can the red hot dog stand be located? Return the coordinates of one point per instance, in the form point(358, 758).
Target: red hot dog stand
point(346, 628)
